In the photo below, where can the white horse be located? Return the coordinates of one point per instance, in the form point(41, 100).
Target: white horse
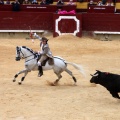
point(58, 67)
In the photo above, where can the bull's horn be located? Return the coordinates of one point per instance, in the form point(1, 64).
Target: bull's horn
point(95, 75)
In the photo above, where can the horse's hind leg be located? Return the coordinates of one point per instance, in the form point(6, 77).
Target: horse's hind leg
point(70, 73)
point(59, 77)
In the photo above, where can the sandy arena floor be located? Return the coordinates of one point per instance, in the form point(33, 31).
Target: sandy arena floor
point(35, 99)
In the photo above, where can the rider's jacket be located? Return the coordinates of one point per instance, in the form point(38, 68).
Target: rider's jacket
point(45, 50)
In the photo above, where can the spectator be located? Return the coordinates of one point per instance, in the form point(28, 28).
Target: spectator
point(43, 2)
point(71, 2)
point(34, 2)
point(16, 5)
point(49, 1)
point(21, 1)
point(7, 2)
point(26, 2)
point(102, 3)
point(114, 2)
point(99, 3)
point(1, 2)
point(91, 2)
point(59, 10)
point(60, 2)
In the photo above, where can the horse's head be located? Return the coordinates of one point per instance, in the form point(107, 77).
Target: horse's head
point(19, 53)
point(24, 52)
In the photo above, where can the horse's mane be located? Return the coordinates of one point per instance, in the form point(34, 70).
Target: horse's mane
point(28, 49)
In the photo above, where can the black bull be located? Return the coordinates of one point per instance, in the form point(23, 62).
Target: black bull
point(108, 80)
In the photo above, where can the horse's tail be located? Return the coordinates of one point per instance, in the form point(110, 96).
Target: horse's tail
point(78, 67)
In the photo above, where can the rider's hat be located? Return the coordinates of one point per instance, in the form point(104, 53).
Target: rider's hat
point(44, 39)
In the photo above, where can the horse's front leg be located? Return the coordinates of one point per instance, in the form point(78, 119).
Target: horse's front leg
point(22, 79)
point(23, 71)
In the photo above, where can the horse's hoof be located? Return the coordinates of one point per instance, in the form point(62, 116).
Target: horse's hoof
point(14, 80)
point(75, 84)
point(19, 83)
point(54, 84)
point(51, 83)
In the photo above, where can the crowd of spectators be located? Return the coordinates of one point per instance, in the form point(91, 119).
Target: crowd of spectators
point(59, 2)
point(42, 2)
point(103, 3)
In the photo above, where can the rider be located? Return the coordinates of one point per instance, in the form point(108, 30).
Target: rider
point(44, 52)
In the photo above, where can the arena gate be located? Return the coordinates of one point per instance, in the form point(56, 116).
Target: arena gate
point(67, 24)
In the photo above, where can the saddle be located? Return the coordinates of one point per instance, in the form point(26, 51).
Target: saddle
point(50, 60)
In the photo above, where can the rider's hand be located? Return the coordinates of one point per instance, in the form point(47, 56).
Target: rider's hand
point(35, 52)
point(39, 52)
point(31, 35)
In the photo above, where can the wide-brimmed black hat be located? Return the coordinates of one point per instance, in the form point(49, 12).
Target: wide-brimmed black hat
point(44, 39)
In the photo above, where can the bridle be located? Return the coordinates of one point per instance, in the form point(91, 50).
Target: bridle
point(23, 56)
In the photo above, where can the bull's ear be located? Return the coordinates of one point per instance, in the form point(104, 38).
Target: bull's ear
point(91, 74)
point(98, 70)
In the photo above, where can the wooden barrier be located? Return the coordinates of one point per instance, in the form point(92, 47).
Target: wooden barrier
point(44, 21)
point(10, 20)
point(101, 22)
point(38, 8)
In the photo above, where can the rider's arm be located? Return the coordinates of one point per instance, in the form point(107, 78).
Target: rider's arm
point(37, 36)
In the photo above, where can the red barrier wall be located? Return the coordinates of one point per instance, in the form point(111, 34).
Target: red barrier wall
point(101, 22)
point(22, 20)
point(44, 21)
point(38, 8)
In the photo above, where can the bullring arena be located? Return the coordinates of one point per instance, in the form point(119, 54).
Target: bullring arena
point(35, 99)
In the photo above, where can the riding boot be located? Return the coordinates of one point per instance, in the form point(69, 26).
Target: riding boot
point(40, 71)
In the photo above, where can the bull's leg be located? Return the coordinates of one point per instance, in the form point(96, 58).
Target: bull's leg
point(70, 73)
point(23, 71)
point(115, 94)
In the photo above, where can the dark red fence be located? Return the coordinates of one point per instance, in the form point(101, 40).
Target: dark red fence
point(44, 21)
point(101, 22)
point(10, 20)
point(38, 8)
point(22, 20)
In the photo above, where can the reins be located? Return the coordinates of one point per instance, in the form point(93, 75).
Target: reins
point(29, 59)
point(27, 56)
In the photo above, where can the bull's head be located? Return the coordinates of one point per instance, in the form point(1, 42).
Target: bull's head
point(95, 77)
